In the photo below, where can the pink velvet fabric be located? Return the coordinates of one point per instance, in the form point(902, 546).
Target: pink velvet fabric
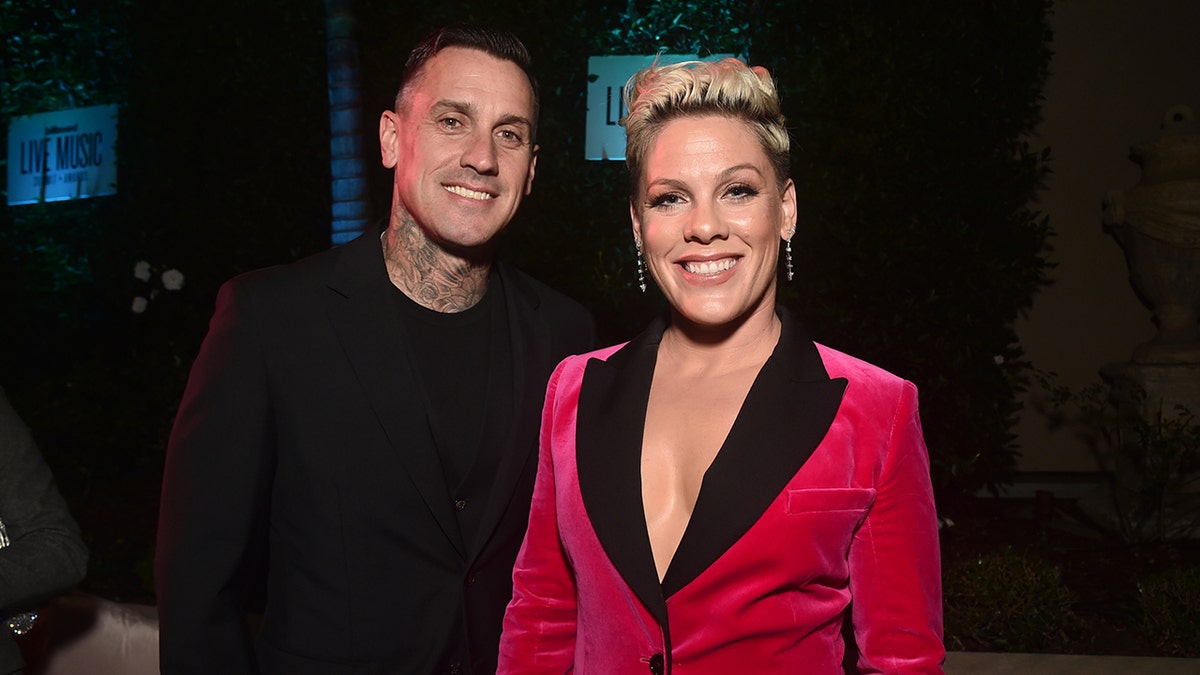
point(855, 523)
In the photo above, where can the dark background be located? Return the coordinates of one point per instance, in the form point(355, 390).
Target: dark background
point(917, 246)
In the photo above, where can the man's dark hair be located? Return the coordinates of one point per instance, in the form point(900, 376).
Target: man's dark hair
point(492, 41)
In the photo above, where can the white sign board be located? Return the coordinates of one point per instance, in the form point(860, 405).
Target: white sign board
point(607, 77)
point(67, 154)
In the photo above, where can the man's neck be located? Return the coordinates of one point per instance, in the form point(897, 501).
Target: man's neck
point(429, 274)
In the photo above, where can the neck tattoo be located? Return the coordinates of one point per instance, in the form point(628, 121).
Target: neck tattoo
point(427, 273)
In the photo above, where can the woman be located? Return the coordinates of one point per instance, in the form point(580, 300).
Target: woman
point(720, 494)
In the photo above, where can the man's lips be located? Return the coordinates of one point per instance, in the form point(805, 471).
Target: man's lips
point(467, 192)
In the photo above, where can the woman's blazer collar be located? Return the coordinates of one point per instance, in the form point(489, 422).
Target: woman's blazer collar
point(786, 414)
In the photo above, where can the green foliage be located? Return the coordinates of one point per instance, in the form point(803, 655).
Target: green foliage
point(1152, 457)
point(917, 246)
point(223, 167)
point(1009, 602)
point(1170, 615)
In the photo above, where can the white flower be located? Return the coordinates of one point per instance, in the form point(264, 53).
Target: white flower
point(141, 271)
point(139, 304)
point(998, 359)
point(172, 279)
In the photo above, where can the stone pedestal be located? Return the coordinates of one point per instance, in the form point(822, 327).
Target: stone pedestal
point(1164, 386)
point(1157, 222)
point(1156, 488)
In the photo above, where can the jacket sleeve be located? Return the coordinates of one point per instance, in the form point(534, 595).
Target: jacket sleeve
point(540, 622)
point(215, 486)
point(895, 568)
point(45, 554)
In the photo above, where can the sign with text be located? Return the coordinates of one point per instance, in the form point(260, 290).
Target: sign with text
point(607, 77)
point(68, 154)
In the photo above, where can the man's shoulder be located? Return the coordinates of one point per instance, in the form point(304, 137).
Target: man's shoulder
point(541, 294)
point(310, 272)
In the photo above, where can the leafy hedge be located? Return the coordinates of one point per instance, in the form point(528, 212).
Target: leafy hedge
point(918, 247)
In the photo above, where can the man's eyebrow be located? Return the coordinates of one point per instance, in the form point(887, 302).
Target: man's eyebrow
point(468, 108)
point(516, 120)
point(445, 105)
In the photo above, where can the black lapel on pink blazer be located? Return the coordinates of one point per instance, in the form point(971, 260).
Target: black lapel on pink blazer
point(362, 310)
point(608, 449)
point(786, 414)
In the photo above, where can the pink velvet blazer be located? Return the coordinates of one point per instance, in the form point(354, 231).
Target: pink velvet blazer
point(817, 509)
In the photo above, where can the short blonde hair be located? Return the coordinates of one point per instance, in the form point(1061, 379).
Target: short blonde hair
point(659, 94)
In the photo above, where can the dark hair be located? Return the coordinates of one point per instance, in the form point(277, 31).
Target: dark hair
point(492, 41)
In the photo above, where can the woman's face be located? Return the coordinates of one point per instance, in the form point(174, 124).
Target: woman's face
point(710, 215)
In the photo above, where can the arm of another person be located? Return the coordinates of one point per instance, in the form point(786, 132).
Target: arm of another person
point(45, 555)
point(215, 487)
point(895, 562)
point(539, 624)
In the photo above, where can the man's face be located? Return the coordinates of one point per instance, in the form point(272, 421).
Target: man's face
point(461, 147)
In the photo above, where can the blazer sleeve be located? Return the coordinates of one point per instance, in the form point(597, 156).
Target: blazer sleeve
point(895, 569)
point(215, 486)
point(540, 622)
point(45, 554)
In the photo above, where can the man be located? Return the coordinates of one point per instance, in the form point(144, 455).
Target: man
point(363, 424)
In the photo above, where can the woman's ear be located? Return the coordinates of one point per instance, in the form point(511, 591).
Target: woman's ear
point(636, 224)
point(788, 226)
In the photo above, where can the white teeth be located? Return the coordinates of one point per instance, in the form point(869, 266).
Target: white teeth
point(710, 267)
point(464, 192)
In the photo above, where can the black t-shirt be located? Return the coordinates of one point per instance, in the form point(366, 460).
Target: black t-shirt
point(464, 363)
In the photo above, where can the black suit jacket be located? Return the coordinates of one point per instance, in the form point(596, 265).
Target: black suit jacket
point(302, 447)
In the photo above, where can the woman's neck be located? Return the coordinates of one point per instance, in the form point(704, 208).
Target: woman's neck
point(747, 342)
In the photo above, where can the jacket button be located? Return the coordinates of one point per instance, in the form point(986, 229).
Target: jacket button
point(656, 664)
point(456, 668)
point(460, 504)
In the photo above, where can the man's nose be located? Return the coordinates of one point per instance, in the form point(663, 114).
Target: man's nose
point(480, 153)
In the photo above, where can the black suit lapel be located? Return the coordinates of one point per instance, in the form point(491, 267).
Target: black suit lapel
point(785, 416)
point(522, 403)
point(610, 425)
point(362, 310)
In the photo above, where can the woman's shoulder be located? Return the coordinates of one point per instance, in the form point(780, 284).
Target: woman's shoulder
point(577, 363)
point(840, 364)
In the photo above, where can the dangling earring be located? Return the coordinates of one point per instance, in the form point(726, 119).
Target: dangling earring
point(641, 263)
point(788, 253)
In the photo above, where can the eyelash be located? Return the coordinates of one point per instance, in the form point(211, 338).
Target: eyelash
point(664, 200)
point(738, 192)
point(514, 137)
point(745, 190)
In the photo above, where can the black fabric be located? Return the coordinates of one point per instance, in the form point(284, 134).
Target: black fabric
point(451, 353)
point(463, 361)
point(303, 426)
point(45, 555)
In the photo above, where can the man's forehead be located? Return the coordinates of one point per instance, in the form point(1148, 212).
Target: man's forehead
point(460, 65)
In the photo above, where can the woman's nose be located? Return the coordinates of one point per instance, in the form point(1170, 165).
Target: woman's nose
point(705, 224)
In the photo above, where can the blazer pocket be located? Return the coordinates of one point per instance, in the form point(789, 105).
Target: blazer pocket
point(818, 500)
